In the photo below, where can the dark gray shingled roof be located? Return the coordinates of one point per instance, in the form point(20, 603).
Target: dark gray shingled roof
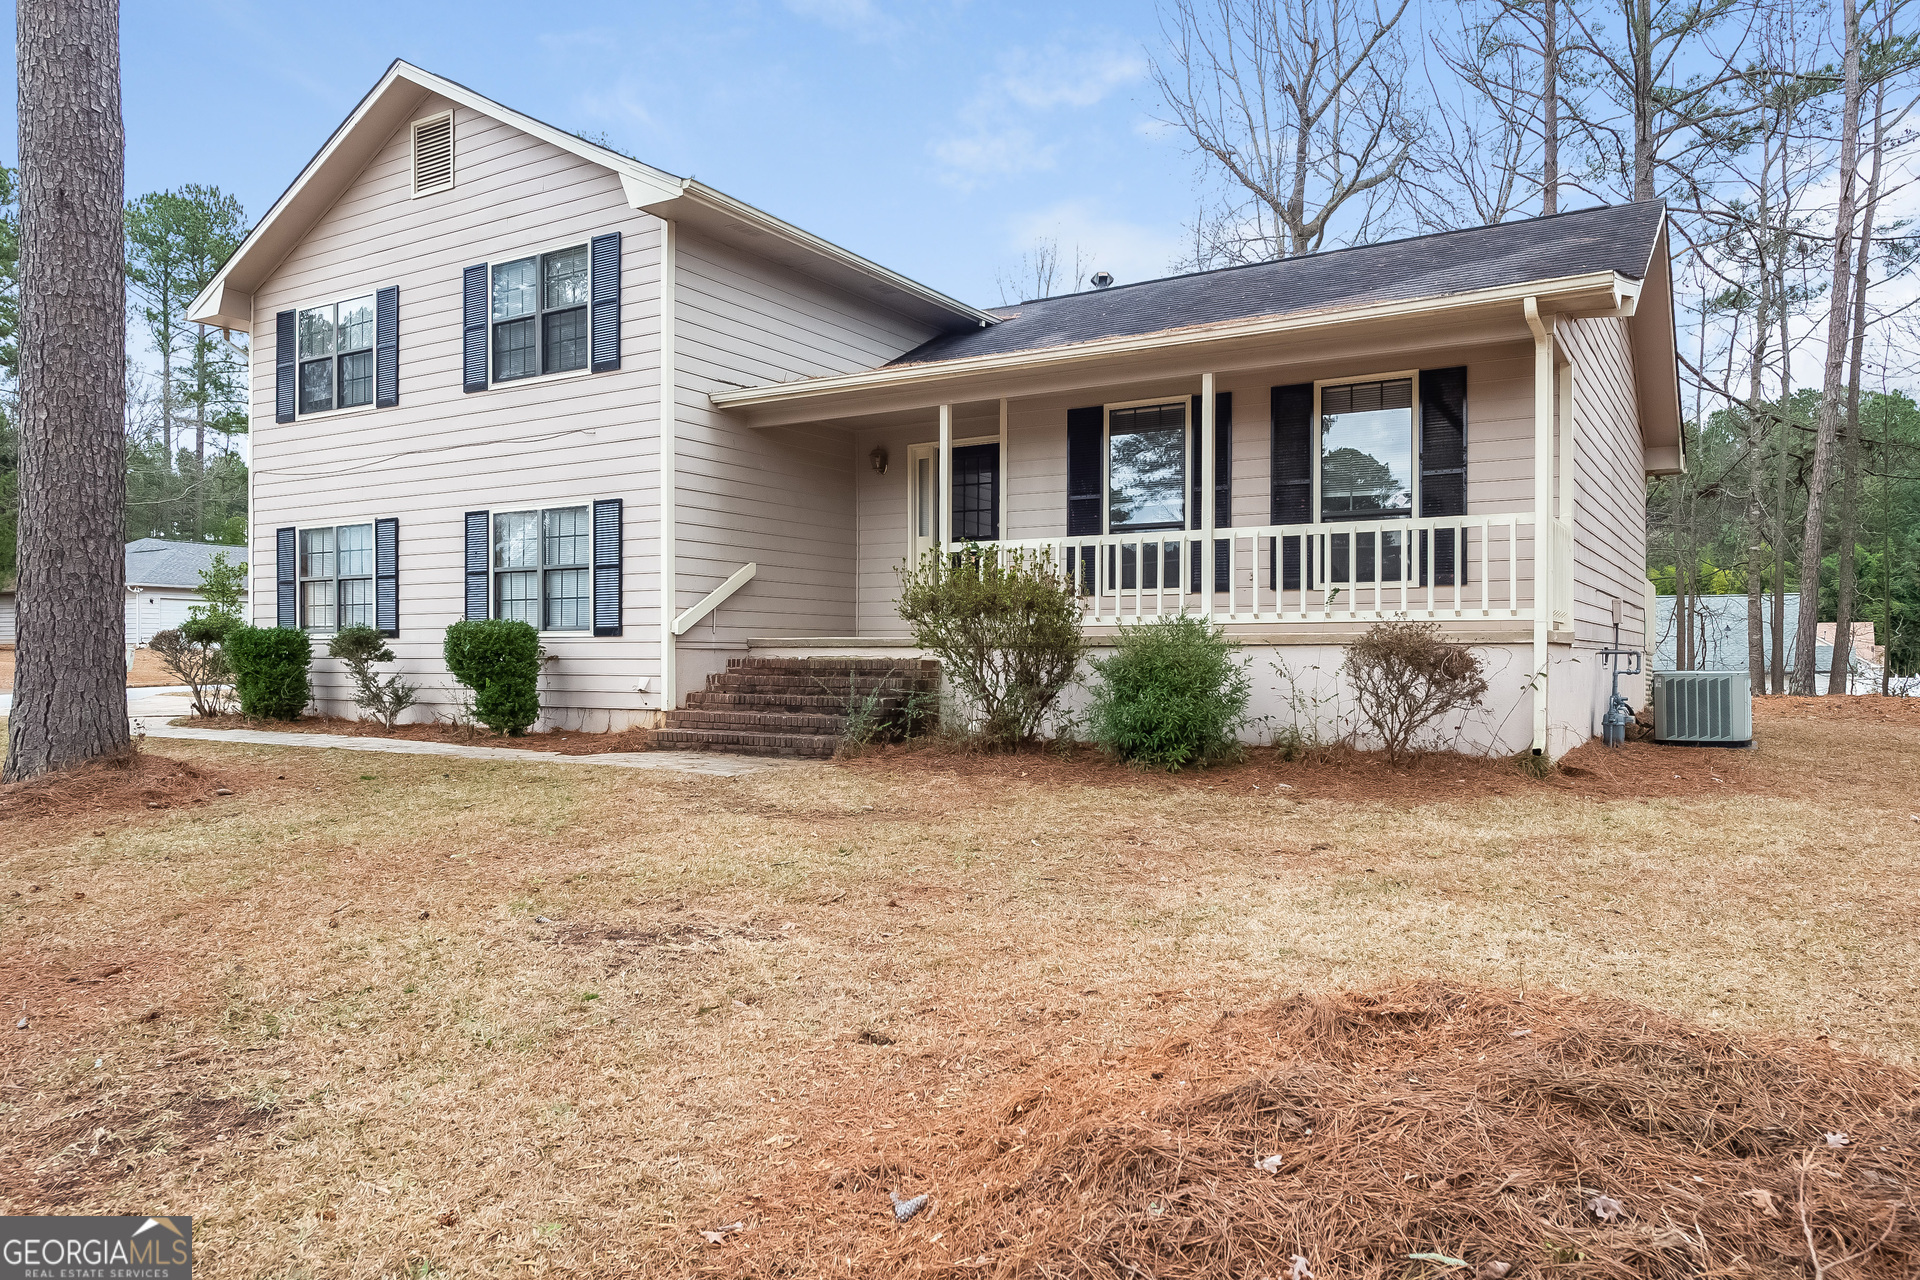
point(155, 562)
point(1616, 238)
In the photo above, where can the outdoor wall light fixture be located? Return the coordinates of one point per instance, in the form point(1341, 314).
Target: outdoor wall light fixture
point(879, 459)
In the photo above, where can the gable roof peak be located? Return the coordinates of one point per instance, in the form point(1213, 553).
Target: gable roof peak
point(227, 301)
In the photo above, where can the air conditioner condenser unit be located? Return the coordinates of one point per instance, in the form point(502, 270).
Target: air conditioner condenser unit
point(1703, 708)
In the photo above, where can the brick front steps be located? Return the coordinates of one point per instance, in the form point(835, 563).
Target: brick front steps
point(791, 706)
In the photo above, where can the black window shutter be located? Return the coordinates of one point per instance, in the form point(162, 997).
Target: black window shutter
point(477, 524)
point(285, 375)
point(386, 347)
point(606, 566)
point(386, 576)
point(605, 340)
point(1443, 459)
point(1086, 478)
point(473, 328)
point(284, 612)
point(1292, 472)
point(1222, 485)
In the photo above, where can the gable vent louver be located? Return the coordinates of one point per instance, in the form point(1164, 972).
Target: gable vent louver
point(433, 154)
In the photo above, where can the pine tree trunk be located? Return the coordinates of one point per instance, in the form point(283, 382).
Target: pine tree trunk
point(1641, 50)
point(1550, 112)
point(1838, 678)
point(199, 369)
point(1839, 317)
point(70, 679)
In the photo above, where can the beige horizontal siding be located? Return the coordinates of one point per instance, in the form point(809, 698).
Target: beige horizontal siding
point(1610, 487)
point(780, 498)
point(442, 452)
point(1499, 455)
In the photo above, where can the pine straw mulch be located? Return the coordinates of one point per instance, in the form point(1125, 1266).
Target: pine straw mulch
point(566, 742)
point(1419, 1117)
point(1853, 708)
point(133, 781)
point(1633, 771)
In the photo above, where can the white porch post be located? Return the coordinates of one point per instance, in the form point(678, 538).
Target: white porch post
point(669, 584)
point(1544, 389)
point(1207, 514)
point(1006, 470)
point(943, 481)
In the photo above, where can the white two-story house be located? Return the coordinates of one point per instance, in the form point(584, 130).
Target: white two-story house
point(499, 371)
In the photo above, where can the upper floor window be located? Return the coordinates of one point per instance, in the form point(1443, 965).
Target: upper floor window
point(1366, 450)
point(541, 568)
point(336, 577)
point(539, 314)
point(336, 355)
point(1147, 467)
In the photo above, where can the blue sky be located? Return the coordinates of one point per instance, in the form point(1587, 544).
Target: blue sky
point(939, 139)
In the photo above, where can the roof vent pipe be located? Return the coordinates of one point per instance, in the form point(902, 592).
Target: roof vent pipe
point(1101, 279)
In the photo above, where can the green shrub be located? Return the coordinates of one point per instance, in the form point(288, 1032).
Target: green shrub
point(1005, 626)
point(270, 670)
point(499, 659)
point(1172, 694)
point(360, 648)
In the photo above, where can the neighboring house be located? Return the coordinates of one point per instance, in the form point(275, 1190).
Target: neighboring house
point(1720, 640)
point(6, 614)
point(163, 583)
point(501, 371)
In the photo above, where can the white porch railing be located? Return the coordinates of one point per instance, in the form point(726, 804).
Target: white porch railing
point(1452, 568)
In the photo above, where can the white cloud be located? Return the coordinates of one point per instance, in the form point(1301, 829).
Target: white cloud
point(1055, 77)
point(993, 153)
point(1129, 250)
point(860, 18)
point(1005, 116)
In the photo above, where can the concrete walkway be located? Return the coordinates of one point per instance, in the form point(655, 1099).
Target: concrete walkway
point(148, 711)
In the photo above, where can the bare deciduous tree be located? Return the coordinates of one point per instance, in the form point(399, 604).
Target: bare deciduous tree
point(70, 700)
point(1038, 275)
point(1302, 107)
point(1511, 59)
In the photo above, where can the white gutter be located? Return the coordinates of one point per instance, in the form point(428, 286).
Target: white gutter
point(1617, 288)
point(1543, 585)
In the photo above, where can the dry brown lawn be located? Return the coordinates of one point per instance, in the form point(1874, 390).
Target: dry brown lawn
point(373, 1015)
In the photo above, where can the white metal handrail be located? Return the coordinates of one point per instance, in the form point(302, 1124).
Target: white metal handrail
point(1436, 568)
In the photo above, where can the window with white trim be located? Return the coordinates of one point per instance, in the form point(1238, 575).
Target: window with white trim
point(1147, 467)
point(1367, 450)
point(336, 355)
point(336, 577)
point(542, 572)
point(539, 314)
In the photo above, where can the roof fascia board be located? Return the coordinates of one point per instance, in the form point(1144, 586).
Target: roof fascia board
point(1653, 341)
point(1607, 284)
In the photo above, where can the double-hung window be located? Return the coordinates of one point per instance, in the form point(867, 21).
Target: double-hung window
point(1147, 467)
point(539, 314)
point(1366, 451)
point(542, 571)
point(336, 577)
point(336, 355)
